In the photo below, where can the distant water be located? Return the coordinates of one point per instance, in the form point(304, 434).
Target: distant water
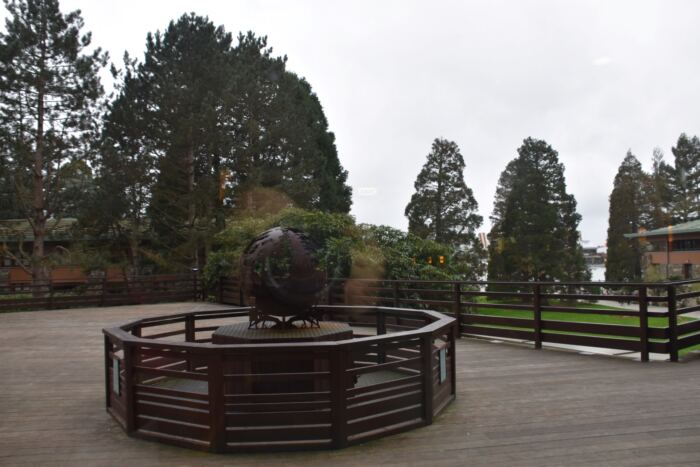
point(597, 273)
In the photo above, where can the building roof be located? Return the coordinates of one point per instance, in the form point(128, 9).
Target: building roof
point(685, 228)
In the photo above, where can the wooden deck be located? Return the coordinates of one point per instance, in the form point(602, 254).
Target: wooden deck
point(515, 406)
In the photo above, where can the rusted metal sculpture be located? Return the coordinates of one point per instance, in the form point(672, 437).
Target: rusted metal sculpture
point(281, 271)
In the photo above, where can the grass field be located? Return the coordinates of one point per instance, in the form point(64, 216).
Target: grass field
point(655, 322)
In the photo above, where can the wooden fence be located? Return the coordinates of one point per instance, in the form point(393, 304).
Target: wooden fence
point(165, 382)
point(101, 292)
point(540, 312)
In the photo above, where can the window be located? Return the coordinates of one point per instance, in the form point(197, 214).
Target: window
point(686, 245)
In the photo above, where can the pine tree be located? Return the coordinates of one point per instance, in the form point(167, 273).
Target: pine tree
point(443, 208)
point(125, 165)
point(283, 137)
point(684, 179)
point(627, 206)
point(657, 193)
point(207, 122)
point(534, 232)
point(48, 94)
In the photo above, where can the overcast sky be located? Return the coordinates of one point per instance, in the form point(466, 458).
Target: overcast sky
point(591, 78)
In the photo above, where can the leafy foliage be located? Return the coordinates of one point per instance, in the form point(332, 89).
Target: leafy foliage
point(534, 234)
point(443, 208)
point(684, 179)
point(345, 249)
point(628, 202)
point(200, 128)
point(49, 90)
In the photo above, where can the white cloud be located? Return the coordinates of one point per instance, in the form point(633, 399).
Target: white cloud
point(602, 61)
point(366, 191)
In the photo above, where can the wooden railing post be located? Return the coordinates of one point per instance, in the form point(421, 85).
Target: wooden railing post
point(457, 307)
point(217, 406)
point(395, 293)
point(221, 289)
point(104, 290)
point(427, 368)
point(108, 361)
point(672, 323)
point(129, 399)
point(338, 365)
point(50, 294)
point(329, 292)
point(194, 284)
point(189, 328)
point(537, 314)
point(381, 330)
point(643, 323)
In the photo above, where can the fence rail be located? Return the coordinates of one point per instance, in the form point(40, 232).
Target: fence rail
point(648, 318)
point(165, 382)
point(101, 292)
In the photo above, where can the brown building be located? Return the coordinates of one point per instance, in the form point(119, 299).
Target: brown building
point(671, 252)
point(16, 242)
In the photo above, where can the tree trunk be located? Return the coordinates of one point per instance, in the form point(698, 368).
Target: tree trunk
point(39, 270)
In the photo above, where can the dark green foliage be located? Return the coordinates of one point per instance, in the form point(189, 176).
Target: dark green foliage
point(443, 208)
point(684, 179)
point(534, 234)
point(345, 249)
point(199, 126)
point(48, 93)
point(282, 134)
point(658, 193)
point(628, 203)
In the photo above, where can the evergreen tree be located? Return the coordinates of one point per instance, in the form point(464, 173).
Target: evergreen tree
point(534, 232)
point(116, 208)
point(657, 193)
point(627, 206)
point(48, 94)
point(684, 179)
point(282, 134)
point(443, 208)
point(185, 82)
point(205, 122)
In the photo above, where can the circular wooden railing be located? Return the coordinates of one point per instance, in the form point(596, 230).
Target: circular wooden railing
point(396, 374)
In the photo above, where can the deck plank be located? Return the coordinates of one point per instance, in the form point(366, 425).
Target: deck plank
point(514, 406)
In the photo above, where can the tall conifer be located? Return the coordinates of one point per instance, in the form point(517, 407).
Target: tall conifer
point(627, 205)
point(443, 207)
point(534, 233)
point(49, 88)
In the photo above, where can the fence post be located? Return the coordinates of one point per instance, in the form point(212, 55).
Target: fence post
point(329, 292)
point(643, 323)
point(217, 406)
point(221, 289)
point(381, 330)
point(50, 294)
point(537, 314)
point(427, 367)
point(129, 401)
point(194, 284)
point(104, 290)
point(457, 307)
point(189, 328)
point(338, 365)
point(395, 293)
point(672, 324)
point(108, 373)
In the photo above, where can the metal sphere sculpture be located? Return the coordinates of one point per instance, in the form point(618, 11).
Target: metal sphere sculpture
point(281, 271)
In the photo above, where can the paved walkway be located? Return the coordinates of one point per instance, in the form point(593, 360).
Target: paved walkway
point(515, 406)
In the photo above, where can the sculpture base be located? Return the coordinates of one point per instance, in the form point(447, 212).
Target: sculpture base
point(297, 367)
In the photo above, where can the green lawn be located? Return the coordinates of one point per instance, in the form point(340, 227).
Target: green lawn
point(655, 322)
